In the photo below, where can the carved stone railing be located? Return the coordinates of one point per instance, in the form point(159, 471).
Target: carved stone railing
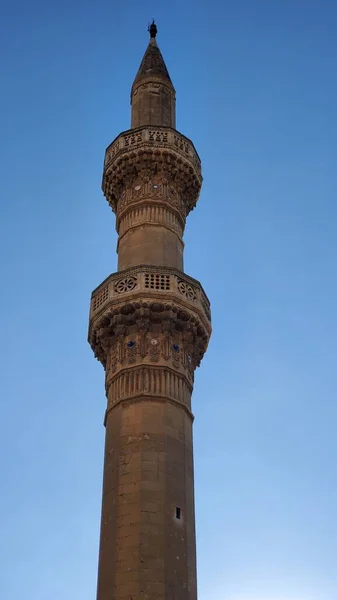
point(151, 282)
point(162, 137)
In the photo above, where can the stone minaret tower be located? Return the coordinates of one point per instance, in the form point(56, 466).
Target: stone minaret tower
point(149, 327)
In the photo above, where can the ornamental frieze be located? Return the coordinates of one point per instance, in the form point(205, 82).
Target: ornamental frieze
point(151, 348)
point(144, 188)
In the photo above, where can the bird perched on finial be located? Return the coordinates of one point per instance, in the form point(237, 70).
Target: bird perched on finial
point(152, 29)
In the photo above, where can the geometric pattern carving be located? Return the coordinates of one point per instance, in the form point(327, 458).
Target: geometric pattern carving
point(181, 143)
point(100, 298)
point(125, 285)
point(156, 281)
point(133, 138)
point(157, 136)
point(187, 290)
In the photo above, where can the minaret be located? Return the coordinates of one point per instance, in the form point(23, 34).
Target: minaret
point(149, 327)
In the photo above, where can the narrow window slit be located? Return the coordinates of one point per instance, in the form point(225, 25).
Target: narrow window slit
point(178, 512)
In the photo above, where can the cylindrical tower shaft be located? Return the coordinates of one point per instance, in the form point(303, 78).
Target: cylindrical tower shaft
point(147, 529)
point(150, 233)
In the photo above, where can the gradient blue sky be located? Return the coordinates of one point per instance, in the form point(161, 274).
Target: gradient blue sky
point(257, 93)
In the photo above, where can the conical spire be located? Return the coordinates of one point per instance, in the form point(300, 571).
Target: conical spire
point(153, 94)
point(153, 64)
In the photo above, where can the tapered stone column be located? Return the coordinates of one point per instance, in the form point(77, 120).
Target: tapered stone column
point(149, 327)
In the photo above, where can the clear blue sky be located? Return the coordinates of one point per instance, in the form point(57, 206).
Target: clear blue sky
point(257, 93)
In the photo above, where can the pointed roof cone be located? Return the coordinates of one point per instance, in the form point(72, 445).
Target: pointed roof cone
point(153, 64)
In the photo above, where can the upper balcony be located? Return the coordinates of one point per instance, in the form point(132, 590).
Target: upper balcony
point(154, 137)
point(152, 148)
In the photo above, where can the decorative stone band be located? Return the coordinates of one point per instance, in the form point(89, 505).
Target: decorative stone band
point(152, 82)
point(151, 281)
point(170, 349)
point(147, 151)
point(159, 190)
point(157, 382)
point(150, 213)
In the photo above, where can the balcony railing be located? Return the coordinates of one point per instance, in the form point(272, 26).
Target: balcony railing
point(150, 281)
point(152, 136)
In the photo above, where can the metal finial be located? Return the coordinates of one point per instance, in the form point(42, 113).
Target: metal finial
point(152, 29)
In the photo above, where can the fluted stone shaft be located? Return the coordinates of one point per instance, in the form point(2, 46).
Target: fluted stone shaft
point(149, 326)
point(152, 235)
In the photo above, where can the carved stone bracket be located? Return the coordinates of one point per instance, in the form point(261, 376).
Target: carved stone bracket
point(137, 328)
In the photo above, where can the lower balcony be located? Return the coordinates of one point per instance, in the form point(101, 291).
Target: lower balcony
point(152, 282)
